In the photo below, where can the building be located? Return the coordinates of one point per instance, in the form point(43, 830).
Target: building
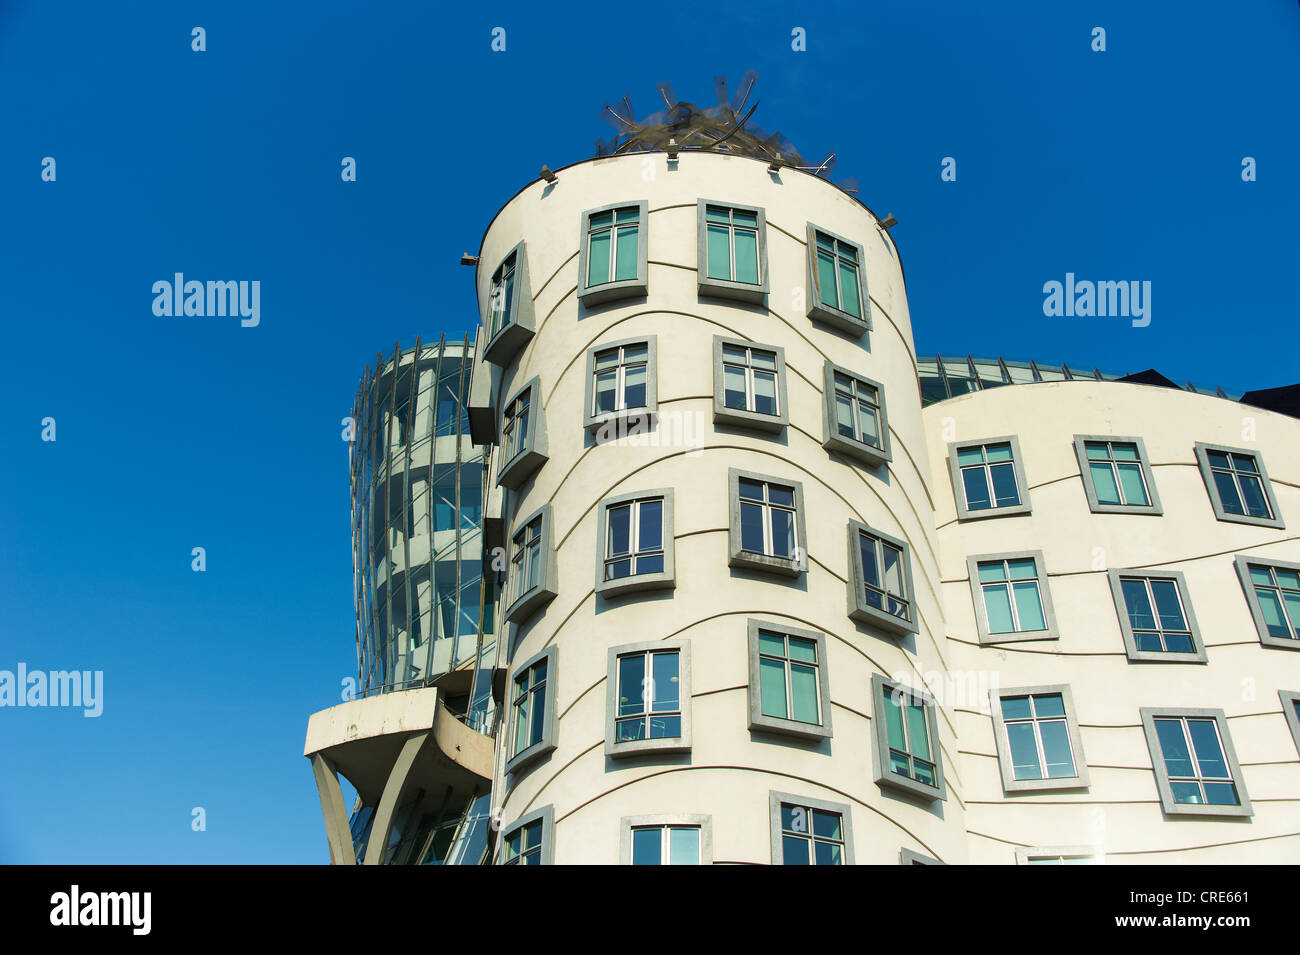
point(771, 588)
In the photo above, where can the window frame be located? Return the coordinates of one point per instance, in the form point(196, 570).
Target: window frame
point(829, 314)
point(964, 513)
point(1010, 784)
point(833, 440)
point(547, 816)
point(1242, 563)
point(1198, 654)
point(861, 611)
point(1149, 715)
point(522, 605)
point(506, 342)
point(730, 288)
point(660, 820)
point(640, 747)
point(635, 420)
point(912, 857)
point(884, 776)
point(591, 295)
point(740, 558)
point(1144, 463)
point(665, 579)
point(776, 799)
point(1207, 475)
point(758, 720)
point(534, 751)
point(742, 417)
point(512, 472)
point(1290, 701)
point(988, 638)
point(1025, 854)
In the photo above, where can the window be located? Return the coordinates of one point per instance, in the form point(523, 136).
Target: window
point(1272, 590)
point(621, 379)
point(1291, 711)
point(732, 251)
point(1196, 767)
point(532, 709)
point(532, 573)
point(988, 478)
point(788, 689)
point(809, 831)
point(1012, 599)
point(523, 436)
point(911, 857)
point(767, 530)
point(1238, 485)
point(1037, 738)
point(906, 755)
point(749, 384)
point(838, 286)
point(509, 321)
point(612, 258)
point(1156, 617)
point(854, 416)
point(666, 840)
point(648, 698)
point(1116, 475)
point(1059, 855)
point(528, 841)
point(634, 541)
point(880, 580)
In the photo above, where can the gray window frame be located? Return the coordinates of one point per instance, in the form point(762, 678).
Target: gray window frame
point(1025, 853)
point(634, 420)
point(640, 747)
point(658, 820)
point(737, 556)
point(829, 314)
point(525, 604)
point(510, 339)
point(625, 288)
point(911, 857)
point(1009, 782)
point(964, 513)
point(547, 816)
point(986, 638)
point(729, 288)
point(834, 441)
point(1290, 700)
point(884, 776)
point(1149, 716)
point(858, 608)
point(758, 720)
point(1207, 475)
point(741, 417)
point(1242, 563)
point(1144, 462)
point(776, 799)
point(514, 471)
point(1126, 628)
point(665, 579)
point(534, 751)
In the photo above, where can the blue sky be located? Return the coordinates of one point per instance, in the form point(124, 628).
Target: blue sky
point(177, 433)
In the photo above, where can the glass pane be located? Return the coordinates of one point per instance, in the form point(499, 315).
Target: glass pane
point(1056, 749)
point(970, 456)
point(606, 382)
point(1125, 452)
point(977, 488)
point(1138, 604)
point(628, 214)
point(1028, 607)
point(1052, 704)
point(867, 418)
point(631, 684)
point(991, 570)
point(751, 528)
point(998, 452)
point(733, 386)
point(1004, 484)
point(651, 530)
point(1293, 608)
point(746, 256)
point(717, 214)
point(1209, 755)
point(634, 389)
point(539, 714)
point(844, 417)
point(826, 825)
point(751, 490)
point(1023, 569)
point(771, 678)
point(627, 253)
point(664, 667)
point(765, 392)
point(1243, 462)
point(780, 494)
point(771, 643)
point(683, 846)
point(893, 721)
point(893, 569)
point(1024, 751)
point(1218, 459)
point(1173, 748)
point(870, 571)
point(1167, 606)
point(794, 851)
point(1103, 483)
point(1271, 607)
point(1096, 451)
point(828, 853)
point(598, 259)
point(997, 604)
point(632, 729)
point(803, 690)
point(1253, 492)
point(918, 736)
point(762, 359)
point(1186, 792)
point(665, 727)
point(826, 279)
point(849, 289)
point(783, 544)
point(719, 252)
point(647, 846)
point(620, 531)
point(1227, 489)
point(1015, 708)
point(1221, 794)
point(741, 217)
point(803, 650)
point(1135, 492)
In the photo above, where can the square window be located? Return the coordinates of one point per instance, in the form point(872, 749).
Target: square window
point(531, 577)
point(767, 524)
point(907, 755)
point(648, 698)
point(809, 831)
point(732, 251)
point(1155, 616)
point(1272, 589)
point(837, 284)
point(523, 436)
point(988, 478)
point(508, 325)
point(1196, 768)
point(1291, 712)
point(1037, 737)
point(666, 840)
point(634, 542)
point(788, 687)
point(612, 257)
point(622, 396)
point(1059, 855)
point(880, 580)
point(532, 710)
point(1238, 485)
point(749, 385)
point(1013, 601)
point(1116, 474)
point(528, 841)
point(853, 416)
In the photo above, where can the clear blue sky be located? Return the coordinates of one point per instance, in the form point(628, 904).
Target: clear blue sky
point(173, 433)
